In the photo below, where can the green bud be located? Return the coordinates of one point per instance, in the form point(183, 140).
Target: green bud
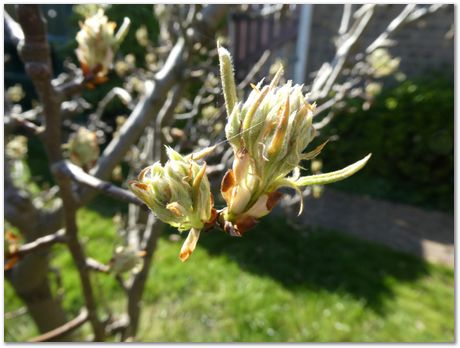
point(125, 259)
point(227, 78)
point(98, 43)
point(268, 133)
point(83, 148)
point(327, 178)
point(16, 148)
point(178, 193)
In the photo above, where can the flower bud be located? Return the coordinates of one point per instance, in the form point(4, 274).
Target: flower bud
point(97, 45)
point(268, 133)
point(179, 194)
point(125, 259)
point(382, 63)
point(84, 148)
point(15, 93)
point(17, 147)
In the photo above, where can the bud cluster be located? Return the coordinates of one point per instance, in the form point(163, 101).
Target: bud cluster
point(97, 45)
point(268, 133)
point(179, 194)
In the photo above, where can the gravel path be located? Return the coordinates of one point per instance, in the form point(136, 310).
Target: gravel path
point(427, 234)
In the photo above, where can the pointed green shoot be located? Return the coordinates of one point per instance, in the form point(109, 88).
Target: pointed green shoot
point(327, 178)
point(227, 78)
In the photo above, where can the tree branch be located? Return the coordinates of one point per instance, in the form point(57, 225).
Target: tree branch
point(156, 92)
point(409, 14)
point(35, 53)
point(346, 16)
point(142, 114)
point(255, 69)
point(72, 325)
point(38, 244)
point(365, 14)
point(81, 177)
point(97, 266)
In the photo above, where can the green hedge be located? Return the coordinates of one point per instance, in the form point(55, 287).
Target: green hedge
point(410, 131)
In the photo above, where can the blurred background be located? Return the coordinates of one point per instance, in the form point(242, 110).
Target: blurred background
point(370, 259)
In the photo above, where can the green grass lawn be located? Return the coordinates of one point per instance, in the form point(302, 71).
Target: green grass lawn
point(274, 284)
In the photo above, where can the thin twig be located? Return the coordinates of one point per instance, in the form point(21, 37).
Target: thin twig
point(18, 121)
point(344, 50)
point(72, 325)
point(81, 177)
point(117, 326)
point(97, 266)
point(409, 14)
point(255, 70)
point(119, 92)
point(143, 113)
point(395, 24)
point(346, 16)
point(39, 244)
point(70, 88)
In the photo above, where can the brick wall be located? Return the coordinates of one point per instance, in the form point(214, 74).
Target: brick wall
point(423, 46)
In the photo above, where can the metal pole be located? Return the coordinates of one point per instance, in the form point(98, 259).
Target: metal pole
point(303, 43)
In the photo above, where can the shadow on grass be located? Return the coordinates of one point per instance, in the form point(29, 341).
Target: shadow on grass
point(317, 259)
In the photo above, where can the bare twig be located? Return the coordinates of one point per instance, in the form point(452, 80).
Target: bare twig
point(136, 290)
point(38, 244)
point(81, 177)
point(72, 325)
point(118, 326)
point(121, 282)
point(255, 70)
point(119, 92)
point(143, 113)
point(166, 118)
point(366, 12)
point(14, 121)
point(409, 14)
point(195, 107)
point(346, 16)
point(97, 266)
point(68, 89)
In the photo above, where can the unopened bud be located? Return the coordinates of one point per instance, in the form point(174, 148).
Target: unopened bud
point(125, 259)
point(97, 45)
point(268, 134)
point(178, 193)
point(84, 148)
point(227, 78)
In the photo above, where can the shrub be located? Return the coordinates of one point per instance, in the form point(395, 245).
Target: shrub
point(410, 131)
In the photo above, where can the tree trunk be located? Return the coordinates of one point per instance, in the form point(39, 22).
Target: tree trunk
point(30, 282)
point(29, 277)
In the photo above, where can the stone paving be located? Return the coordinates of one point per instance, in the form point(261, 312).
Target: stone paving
point(424, 233)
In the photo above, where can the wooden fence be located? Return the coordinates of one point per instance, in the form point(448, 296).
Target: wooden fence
point(253, 32)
